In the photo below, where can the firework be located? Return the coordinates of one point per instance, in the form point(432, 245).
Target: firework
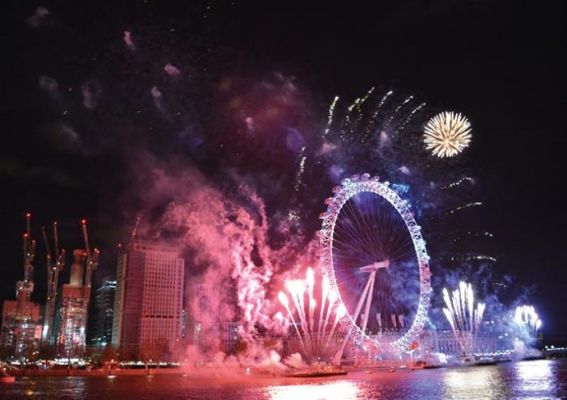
point(300, 170)
point(447, 134)
point(465, 206)
point(527, 318)
point(330, 117)
point(316, 323)
point(462, 316)
point(458, 183)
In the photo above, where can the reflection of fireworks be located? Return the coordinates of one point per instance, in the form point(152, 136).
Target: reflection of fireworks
point(462, 316)
point(447, 134)
point(312, 326)
point(527, 318)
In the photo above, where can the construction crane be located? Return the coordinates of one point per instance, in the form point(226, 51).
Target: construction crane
point(29, 252)
point(54, 266)
point(92, 257)
point(24, 288)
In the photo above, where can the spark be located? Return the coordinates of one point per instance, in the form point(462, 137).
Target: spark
point(410, 116)
point(377, 111)
point(458, 183)
point(481, 257)
point(398, 108)
point(527, 318)
point(330, 117)
point(462, 316)
point(447, 134)
point(360, 100)
point(317, 322)
point(356, 104)
point(300, 170)
point(293, 216)
point(468, 205)
point(471, 234)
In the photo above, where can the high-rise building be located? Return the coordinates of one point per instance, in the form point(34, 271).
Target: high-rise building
point(104, 303)
point(21, 328)
point(21, 319)
point(148, 305)
point(72, 311)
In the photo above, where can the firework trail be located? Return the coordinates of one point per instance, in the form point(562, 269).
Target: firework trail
point(330, 117)
point(300, 170)
point(465, 206)
point(462, 315)
point(467, 235)
point(458, 183)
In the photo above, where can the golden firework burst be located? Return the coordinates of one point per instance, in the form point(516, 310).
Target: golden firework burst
point(447, 134)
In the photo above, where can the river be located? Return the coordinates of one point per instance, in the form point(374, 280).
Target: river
point(538, 379)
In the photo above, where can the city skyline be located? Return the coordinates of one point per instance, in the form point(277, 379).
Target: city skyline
point(503, 139)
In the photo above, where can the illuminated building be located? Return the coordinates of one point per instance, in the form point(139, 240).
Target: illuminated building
point(104, 304)
point(21, 319)
point(72, 311)
point(148, 305)
point(21, 330)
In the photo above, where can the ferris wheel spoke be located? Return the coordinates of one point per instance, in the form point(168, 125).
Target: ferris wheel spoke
point(349, 237)
point(401, 251)
point(368, 237)
point(361, 232)
point(350, 234)
point(351, 247)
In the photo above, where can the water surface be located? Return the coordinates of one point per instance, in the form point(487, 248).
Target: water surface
point(541, 379)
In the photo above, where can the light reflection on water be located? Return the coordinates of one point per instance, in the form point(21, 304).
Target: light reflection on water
point(477, 382)
point(343, 390)
point(541, 379)
point(536, 378)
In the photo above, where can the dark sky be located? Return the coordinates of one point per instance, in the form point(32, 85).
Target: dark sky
point(501, 63)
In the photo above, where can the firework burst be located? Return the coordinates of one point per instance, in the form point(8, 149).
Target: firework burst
point(462, 316)
point(527, 318)
point(316, 323)
point(447, 134)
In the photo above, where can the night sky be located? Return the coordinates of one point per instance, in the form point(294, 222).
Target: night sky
point(503, 65)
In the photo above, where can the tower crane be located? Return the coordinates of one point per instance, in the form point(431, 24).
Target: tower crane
point(24, 288)
point(92, 258)
point(54, 266)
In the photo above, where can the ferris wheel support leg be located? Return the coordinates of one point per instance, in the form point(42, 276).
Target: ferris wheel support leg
point(368, 301)
point(365, 294)
point(339, 354)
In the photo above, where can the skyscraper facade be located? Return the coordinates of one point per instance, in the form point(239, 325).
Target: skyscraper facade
point(148, 305)
point(72, 311)
point(104, 303)
point(21, 328)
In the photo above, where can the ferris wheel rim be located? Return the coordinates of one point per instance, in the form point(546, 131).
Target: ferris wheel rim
point(349, 188)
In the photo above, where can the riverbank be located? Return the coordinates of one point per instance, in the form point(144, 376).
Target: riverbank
point(51, 372)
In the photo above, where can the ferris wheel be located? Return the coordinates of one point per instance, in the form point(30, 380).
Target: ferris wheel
point(375, 258)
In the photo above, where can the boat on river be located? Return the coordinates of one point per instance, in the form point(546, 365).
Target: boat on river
point(317, 372)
